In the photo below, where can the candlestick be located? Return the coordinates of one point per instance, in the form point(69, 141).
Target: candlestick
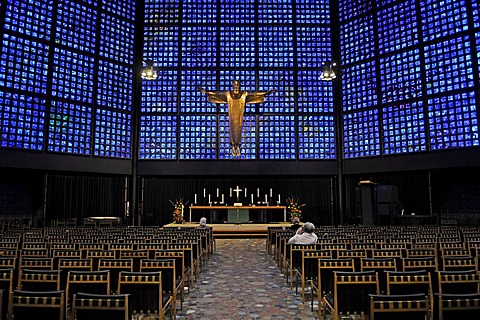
point(245, 192)
point(258, 193)
point(218, 192)
point(251, 199)
point(230, 192)
point(195, 198)
point(204, 192)
point(266, 200)
point(270, 192)
point(222, 198)
point(279, 198)
point(209, 200)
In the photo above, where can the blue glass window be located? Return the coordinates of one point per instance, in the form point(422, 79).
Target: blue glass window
point(116, 39)
point(113, 134)
point(73, 75)
point(123, 8)
point(400, 76)
point(199, 46)
point(316, 137)
point(22, 121)
point(357, 40)
point(275, 12)
point(442, 18)
point(70, 128)
point(313, 46)
point(277, 137)
point(74, 26)
point(32, 18)
point(24, 64)
point(397, 27)
point(197, 139)
point(192, 100)
point(283, 99)
point(448, 65)
point(313, 12)
point(160, 95)
point(453, 121)
point(168, 37)
point(359, 86)
point(115, 87)
point(404, 128)
point(233, 12)
point(237, 48)
point(199, 11)
point(361, 134)
point(158, 137)
point(314, 95)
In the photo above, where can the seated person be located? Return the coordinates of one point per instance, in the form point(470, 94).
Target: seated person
point(304, 235)
point(203, 223)
point(296, 224)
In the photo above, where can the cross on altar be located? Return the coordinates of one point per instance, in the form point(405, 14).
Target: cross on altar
point(237, 191)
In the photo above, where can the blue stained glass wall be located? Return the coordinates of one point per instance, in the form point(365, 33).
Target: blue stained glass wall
point(419, 80)
point(210, 43)
point(66, 76)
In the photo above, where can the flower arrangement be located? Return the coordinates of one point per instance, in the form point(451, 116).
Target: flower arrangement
point(178, 207)
point(294, 208)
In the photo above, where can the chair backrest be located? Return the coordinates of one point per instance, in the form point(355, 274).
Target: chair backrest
point(6, 284)
point(135, 255)
point(458, 263)
point(423, 263)
point(453, 282)
point(36, 263)
point(459, 306)
point(96, 282)
point(97, 254)
point(115, 266)
point(351, 291)
point(87, 306)
point(8, 262)
point(39, 280)
point(145, 289)
point(28, 305)
point(399, 307)
point(380, 265)
point(326, 269)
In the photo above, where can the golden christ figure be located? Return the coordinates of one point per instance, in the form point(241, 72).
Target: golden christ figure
point(236, 101)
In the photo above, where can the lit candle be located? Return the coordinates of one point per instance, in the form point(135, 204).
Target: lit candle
point(258, 193)
point(195, 198)
point(230, 192)
point(223, 198)
point(204, 192)
point(279, 198)
point(266, 200)
point(245, 192)
point(252, 198)
point(209, 200)
point(218, 192)
point(270, 192)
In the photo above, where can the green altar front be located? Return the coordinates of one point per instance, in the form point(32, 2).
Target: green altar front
point(238, 215)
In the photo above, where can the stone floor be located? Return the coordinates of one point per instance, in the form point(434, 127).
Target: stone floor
point(240, 282)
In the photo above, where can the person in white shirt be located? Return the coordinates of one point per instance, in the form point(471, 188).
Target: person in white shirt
point(305, 235)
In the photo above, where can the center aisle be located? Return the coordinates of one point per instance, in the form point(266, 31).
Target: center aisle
point(241, 281)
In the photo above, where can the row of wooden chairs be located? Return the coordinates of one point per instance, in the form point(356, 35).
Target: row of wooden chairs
point(47, 263)
point(382, 256)
point(356, 294)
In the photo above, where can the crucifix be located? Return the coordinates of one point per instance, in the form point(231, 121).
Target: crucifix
point(237, 191)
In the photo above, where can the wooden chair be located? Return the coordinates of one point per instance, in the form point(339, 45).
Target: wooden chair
point(28, 305)
point(187, 260)
point(87, 306)
point(381, 266)
point(459, 306)
point(96, 282)
point(39, 280)
point(171, 285)
point(308, 273)
point(351, 294)
point(411, 282)
point(294, 262)
point(135, 255)
point(115, 266)
point(325, 278)
point(145, 289)
point(399, 307)
point(180, 271)
point(68, 264)
point(6, 284)
point(97, 254)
